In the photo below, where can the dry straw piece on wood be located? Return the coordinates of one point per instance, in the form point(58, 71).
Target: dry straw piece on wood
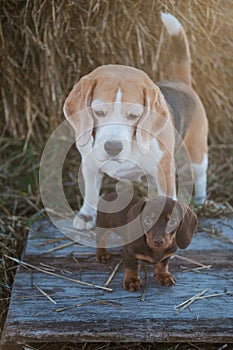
point(27, 265)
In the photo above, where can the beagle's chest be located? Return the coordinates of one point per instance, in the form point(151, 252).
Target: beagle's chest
point(128, 169)
point(136, 166)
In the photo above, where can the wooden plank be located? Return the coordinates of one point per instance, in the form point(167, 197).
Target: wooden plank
point(120, 316)
point(88, 314)
point(43, 232)
point(12, 347)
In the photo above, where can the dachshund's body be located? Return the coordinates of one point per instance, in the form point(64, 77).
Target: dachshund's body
point(111, 221)
point(140, 250)
point(154, 229)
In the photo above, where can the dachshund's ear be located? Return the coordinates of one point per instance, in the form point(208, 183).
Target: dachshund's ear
point(136, 210)
point(154, 117)
point(187, 227)
point(77, 109)
point(134, 224)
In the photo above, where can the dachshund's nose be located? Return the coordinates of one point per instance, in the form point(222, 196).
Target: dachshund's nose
point(158, 241)
point(113, 148)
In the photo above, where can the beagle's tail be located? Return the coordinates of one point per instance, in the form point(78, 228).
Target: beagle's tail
point(182, 61)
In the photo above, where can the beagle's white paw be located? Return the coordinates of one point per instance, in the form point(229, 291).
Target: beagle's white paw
point(199, 201)
point(84, 221)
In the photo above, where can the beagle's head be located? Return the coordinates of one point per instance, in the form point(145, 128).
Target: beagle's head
point(165, 222)
point(113, 106)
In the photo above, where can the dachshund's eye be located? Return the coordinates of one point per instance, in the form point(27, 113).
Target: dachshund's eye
point(148, 220)
point(133, 116)
point(99, 113)
point(172, 222)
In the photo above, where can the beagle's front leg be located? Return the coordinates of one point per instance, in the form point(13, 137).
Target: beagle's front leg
point(163, 170)
point(162, 179)
point(166, 182)
point(86, 217)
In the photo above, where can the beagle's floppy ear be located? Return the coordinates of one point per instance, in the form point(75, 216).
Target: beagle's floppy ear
point(77, 109)
point(154, 117)
point(186, 228)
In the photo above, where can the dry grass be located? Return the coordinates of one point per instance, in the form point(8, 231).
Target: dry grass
point(47, 45)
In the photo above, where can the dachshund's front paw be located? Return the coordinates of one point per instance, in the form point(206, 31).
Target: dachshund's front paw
point(165, 279)
point(102, 256)
point(132, 284)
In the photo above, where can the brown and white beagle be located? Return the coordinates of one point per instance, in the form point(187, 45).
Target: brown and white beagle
point(126, 126)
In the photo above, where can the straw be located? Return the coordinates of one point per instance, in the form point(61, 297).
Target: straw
point(24, 264)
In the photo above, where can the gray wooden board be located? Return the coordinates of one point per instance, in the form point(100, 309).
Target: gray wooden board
point(120, 315)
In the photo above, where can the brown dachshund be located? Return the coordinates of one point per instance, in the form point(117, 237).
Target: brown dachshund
point(112, 221)
point(155, 228)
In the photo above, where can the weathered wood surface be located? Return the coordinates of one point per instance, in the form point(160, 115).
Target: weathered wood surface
point(84, 313)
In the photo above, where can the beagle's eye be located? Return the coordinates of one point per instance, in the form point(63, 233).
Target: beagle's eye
point(99, 113)
point(172, 222)
point(148, 220)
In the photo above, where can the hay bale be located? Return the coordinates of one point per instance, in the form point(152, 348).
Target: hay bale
point(48, 45)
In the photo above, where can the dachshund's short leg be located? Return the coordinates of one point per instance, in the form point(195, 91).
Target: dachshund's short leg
point(102, 255)
point(162, 274)
point(132, 281)
point(131, 275)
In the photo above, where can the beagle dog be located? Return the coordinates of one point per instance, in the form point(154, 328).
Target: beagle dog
point(127, 126)
point(153, 229)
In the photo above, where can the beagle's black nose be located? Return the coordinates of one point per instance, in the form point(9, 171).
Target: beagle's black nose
point(113, 147)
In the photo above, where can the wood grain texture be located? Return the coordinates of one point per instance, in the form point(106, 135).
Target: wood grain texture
point(84, 313)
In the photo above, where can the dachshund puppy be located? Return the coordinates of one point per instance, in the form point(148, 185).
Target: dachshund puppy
point(155, 228)
point(166, 224)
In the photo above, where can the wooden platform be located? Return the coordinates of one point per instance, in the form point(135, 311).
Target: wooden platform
point(78, 313)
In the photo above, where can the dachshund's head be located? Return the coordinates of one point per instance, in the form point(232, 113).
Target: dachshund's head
point(164, 222)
